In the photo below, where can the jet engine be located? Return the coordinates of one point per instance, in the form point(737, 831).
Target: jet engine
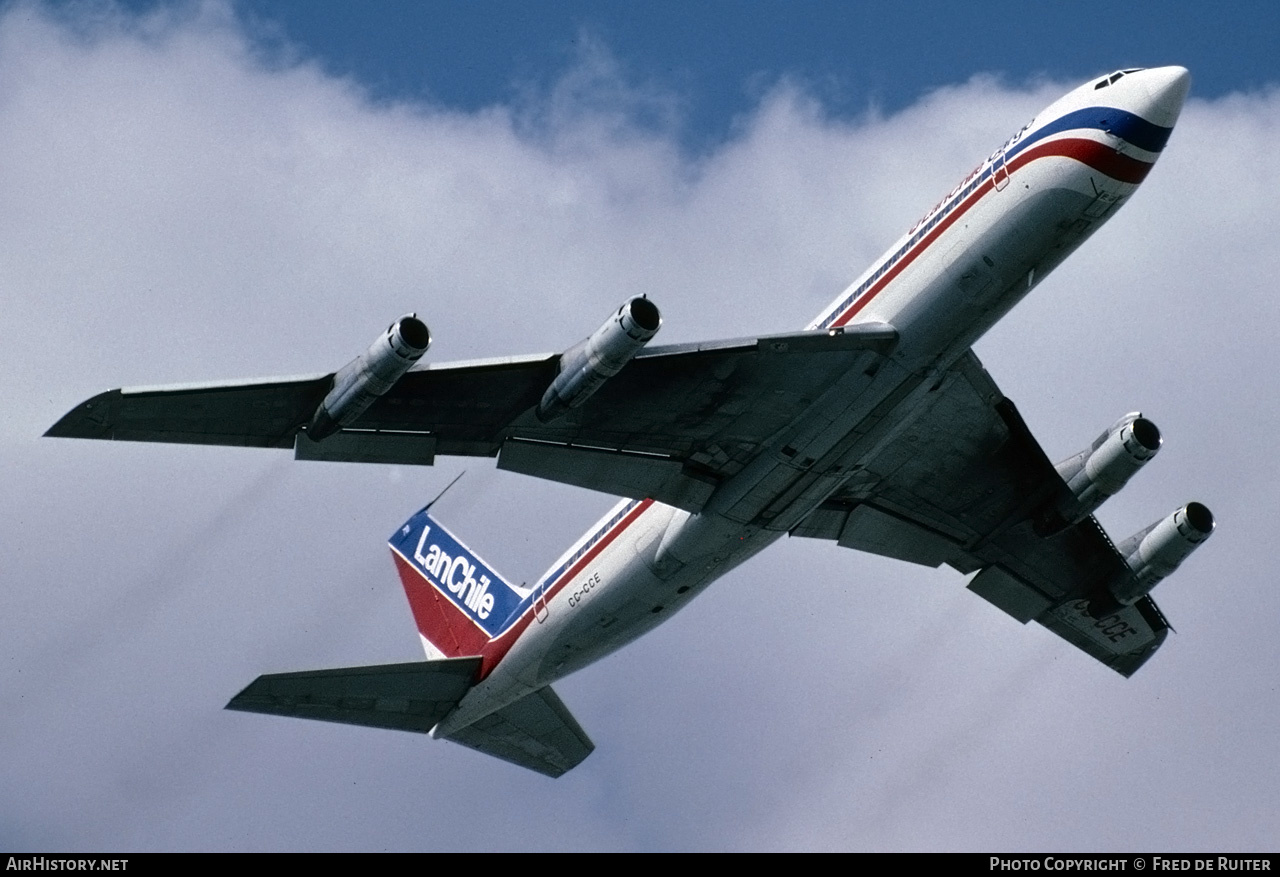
point(592, 361)
point(1153, 554)
point(1099, 471)
point(1156, 551)
point(370, 375)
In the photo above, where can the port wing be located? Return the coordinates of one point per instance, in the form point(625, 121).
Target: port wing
point(966, 484)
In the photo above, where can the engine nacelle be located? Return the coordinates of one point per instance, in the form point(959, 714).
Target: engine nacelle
point(370, 375)
point(589, 363)
point(1157, 551)
point(1102, 469)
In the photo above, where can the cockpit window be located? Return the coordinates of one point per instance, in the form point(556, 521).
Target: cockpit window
point(1114, 77)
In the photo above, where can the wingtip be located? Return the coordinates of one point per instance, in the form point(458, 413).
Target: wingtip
point(89, 419)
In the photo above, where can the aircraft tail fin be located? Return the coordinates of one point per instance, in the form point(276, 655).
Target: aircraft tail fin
point(459, 602)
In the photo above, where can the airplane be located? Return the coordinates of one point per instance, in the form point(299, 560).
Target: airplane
point(875, 427)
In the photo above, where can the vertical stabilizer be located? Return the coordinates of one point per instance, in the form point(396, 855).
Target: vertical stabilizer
point(459, 602)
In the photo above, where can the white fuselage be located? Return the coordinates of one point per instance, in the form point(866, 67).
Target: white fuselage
point(945, 283)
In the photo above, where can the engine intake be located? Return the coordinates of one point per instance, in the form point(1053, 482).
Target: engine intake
point(1153, 554)
point(1101, 470)
point(588, 364)
point(360, 382)
point(1156, 552)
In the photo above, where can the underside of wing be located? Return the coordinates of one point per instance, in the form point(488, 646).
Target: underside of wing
point(262, 414)
point(966, 484)
point(673, 423)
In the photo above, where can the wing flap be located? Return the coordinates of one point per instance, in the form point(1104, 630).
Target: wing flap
point(402, 697)
point(616, 472)
point(867, 528)
point(1007, 592)
point(368, 446)
point(536, 732)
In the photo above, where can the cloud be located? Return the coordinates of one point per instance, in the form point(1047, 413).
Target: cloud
point(180, 204)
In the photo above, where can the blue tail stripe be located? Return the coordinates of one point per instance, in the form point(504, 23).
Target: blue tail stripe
point(457, 573)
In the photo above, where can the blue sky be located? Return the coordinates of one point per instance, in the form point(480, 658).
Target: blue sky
point(715, 59)
point(719, 57)
point(213, 191)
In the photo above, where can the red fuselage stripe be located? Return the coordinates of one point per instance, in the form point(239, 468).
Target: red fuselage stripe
point(1098, 156)
point(498, 647)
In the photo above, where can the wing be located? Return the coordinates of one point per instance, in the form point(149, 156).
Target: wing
point(670, 426)
point(965, 483)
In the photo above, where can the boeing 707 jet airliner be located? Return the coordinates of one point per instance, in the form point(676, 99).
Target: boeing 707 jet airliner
point(876, 427)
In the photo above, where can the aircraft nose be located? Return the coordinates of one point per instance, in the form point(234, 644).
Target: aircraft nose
point(1165, 89)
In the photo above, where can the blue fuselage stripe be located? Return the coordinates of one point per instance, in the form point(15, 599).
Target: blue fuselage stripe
point(1126, 126)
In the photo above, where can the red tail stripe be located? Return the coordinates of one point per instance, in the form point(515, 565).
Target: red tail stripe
point(443, 624)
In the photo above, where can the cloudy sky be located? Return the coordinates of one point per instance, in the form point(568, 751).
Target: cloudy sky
point(216, 190)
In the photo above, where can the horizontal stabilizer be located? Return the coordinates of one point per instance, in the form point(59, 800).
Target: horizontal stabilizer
point(536, 732)
point(402, 697)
